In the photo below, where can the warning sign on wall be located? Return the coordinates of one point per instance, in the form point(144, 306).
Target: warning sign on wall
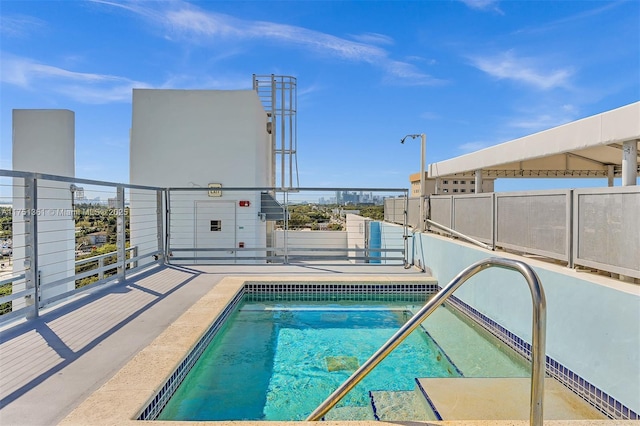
point(214, 192)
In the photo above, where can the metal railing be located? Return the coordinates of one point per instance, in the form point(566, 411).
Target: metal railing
point(537, 344)
point(45, 216)
point(203, 224)
point(36, 292)
point(229, 227)
point(591, 227)
point(101, 267)
point(459, 235)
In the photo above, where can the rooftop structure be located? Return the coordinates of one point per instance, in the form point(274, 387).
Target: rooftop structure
point(604, 145)
point(448, 186)
point(106, 353)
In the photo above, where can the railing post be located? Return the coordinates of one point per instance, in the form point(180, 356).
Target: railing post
point(121, 234)
point(453, 212)
point(160, 227)
point(167, 220)
point(100, 266)
point(285, 207)
point(569, 228)
point(31, 243)
point(405, 231)
point(38, 291)
point(134, 253)
point(494, 220)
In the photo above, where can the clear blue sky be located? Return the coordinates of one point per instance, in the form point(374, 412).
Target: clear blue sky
point(469, 74)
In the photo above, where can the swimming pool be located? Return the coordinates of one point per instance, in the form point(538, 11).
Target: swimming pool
point(280, 354)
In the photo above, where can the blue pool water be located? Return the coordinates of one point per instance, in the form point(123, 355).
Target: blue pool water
point(280, 361)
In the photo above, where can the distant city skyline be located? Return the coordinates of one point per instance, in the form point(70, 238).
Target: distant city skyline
point(469, 74)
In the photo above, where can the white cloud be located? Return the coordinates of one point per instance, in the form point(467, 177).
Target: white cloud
point(19, 25)
point(430, 116)
point(540, 122)
point(183, 20)
point(193, 22)
point(525, 70)
point(94, 88)
point(304, 91)
point(408, 74)
point(483, 5)
point(563, 22)
point(474, 146)
point(185, 81)
point(427, 61)
point(82, 87)
point(373, 38)
point(570, 109)
point(534, 118)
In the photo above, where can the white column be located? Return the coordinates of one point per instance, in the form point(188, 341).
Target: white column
point(44, 142)
point(478, 181)
point(610, 175)
point(629, 163)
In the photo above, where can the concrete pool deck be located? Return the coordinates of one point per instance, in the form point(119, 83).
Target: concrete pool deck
point(100, 361)
point(51, 364)
point(123, 397)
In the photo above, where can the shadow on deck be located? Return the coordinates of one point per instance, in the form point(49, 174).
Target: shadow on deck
point(55, 361)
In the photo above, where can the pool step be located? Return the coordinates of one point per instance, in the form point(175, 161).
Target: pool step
point(502, 399)
point(349, 413)
point(400, 406)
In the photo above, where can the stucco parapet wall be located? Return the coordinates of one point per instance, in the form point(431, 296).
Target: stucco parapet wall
point(120, 400)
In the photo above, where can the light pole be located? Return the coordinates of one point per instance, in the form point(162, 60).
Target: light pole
point(423, 138)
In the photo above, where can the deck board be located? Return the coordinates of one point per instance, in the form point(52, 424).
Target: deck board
point(52, 362)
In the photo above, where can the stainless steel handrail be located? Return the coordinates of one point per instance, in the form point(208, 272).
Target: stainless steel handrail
point(537, 345)
point(460, 235)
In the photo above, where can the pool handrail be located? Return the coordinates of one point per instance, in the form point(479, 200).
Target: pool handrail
point(460, 235)
point(537, 345)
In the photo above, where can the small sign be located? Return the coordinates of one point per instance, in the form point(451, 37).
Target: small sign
point(213, 192)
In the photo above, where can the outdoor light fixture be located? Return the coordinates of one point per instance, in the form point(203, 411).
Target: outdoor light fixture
point(423, 138)
point(73, 188)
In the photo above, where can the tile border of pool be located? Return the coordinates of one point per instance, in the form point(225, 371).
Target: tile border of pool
point(122, 398)
point(428, 399)
point(259, 290)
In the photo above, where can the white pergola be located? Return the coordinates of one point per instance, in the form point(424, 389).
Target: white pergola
point(602, 146)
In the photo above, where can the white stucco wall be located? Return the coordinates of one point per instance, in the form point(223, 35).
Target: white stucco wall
point(297, 240)
point(194, 137)
point(593, 323)
point(44, 142)
point(191, 138)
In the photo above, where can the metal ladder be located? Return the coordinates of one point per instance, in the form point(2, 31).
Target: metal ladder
point(537, 346)
point(278, 95)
